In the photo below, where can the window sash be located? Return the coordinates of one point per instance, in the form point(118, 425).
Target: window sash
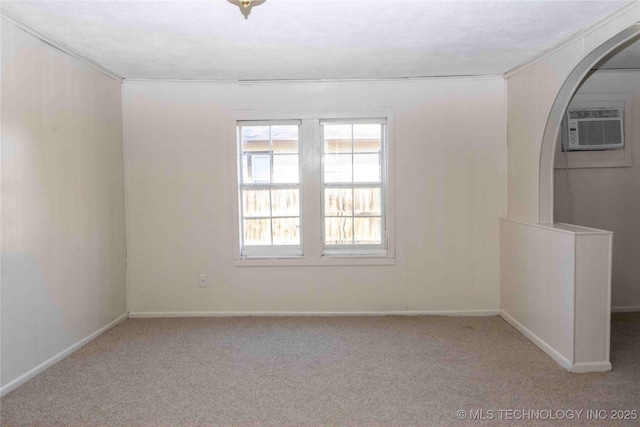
point(355, 249)
point(272, 248)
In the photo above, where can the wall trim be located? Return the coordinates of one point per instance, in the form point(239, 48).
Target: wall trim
point(350, 80)
point(457, 313)
point(626, 309)
point(583, 368)
point(555, 355)
point(560, 227)
point(59, 45)
point(58, 357)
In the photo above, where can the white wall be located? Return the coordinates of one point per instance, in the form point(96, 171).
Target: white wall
point(609, 198)
point(449, 193)
point(63, 216)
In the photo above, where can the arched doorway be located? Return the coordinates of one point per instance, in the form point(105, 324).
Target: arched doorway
point(560, 104)
point(601, 188)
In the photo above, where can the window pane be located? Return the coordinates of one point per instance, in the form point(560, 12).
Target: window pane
point(366, 168)
point(285, 202)
point(338, 201)
point(285, 169)
point(337, 168)
point(256, 168)
point(257, 231)
point(338, 231)
point(284, 139)
point(367, 131)
point(337, 138)
point(366, 144)
point(285, 147)
point(367, 138)
point(367, 201)
point(337, 146)
point(255, 203)
point(367, 231)
point(255, 138)
point(286, 231)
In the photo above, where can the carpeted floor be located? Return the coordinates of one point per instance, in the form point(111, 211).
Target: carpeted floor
point(365, 371)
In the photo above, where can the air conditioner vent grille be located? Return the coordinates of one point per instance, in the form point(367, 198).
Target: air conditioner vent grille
point(594, 129)
point(595, 114)
point(606, 132)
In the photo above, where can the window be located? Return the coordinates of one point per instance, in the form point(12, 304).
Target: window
point(313, 188)
point(270, 188)
point(352, 184)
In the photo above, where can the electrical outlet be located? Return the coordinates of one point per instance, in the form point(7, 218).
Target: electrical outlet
point(203, 281)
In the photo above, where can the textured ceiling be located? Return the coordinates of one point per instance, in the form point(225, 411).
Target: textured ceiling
point(309, 39)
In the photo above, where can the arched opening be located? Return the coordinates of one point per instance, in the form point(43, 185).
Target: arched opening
point(602, 205)
point(599, 188)
point(560, 104)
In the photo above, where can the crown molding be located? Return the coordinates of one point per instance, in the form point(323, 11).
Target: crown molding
point(627, 8)
point(60, 46)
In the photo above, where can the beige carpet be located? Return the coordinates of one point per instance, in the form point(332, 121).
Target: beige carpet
point(395, 371)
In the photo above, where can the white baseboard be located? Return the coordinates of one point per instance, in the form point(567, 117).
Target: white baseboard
point(156, 314)
point(58, 357)
point(629, 309)
point(555, 355)
point(582, 368)
point(578, 368)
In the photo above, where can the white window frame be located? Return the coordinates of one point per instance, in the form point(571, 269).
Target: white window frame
point(268, 250)
point(314, 252)
point(355, 249)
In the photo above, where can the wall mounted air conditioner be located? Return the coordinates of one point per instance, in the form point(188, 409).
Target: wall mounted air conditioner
point(594, 129)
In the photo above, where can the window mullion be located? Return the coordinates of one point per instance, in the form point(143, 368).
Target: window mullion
point(311, 204)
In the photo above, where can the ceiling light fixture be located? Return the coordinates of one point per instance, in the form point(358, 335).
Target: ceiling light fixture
point(246, 5)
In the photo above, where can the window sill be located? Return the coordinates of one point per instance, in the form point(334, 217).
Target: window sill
point(321, 262)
